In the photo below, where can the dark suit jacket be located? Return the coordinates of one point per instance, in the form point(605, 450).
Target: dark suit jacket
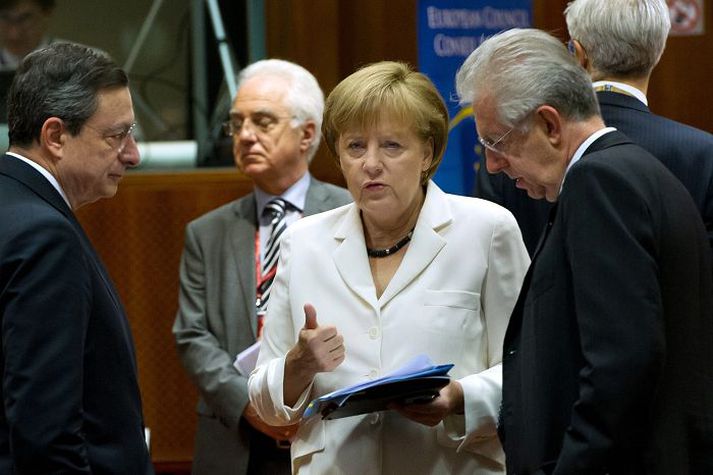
point(687, 152)
point(216, 320)
point(70, 396)
point(608, 361)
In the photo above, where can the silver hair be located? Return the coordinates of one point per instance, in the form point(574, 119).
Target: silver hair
point(622, 38)
point(304, 96)
point(522, 69)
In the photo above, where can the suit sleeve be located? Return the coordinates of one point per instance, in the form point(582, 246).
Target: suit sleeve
point(207, 363)
point(610, 245)
point(47, 304)
point(506, 267)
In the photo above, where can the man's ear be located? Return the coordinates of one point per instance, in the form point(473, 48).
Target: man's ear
point(581, 54)
point(551, 121)
point(308, 133)
point(53, 136)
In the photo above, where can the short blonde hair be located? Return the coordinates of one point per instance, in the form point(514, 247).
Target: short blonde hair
point(387, 89)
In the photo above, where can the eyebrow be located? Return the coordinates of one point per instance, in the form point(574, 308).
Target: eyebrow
point(262, 111)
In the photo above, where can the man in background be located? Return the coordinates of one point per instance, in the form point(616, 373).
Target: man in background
point(23, 28)
point(607, 359)
point(71, 401)
point(619, 42)
point(230, 257)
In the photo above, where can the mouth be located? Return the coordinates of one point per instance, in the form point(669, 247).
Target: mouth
point(373, 185)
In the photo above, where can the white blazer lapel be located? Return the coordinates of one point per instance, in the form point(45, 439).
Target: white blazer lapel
point(425, 244)
point(350, 257)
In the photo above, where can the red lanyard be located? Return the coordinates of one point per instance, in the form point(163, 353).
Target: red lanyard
point(261, 280)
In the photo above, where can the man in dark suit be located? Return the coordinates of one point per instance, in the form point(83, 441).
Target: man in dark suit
point(275, 123)
point(619, 42)
point(608, 362)
point(71, 401)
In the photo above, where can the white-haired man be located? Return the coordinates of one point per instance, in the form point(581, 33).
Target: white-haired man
point(619, 43)
point(607, 359)
point(229, 261)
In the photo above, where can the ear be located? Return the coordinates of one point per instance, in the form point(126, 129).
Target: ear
point(581, 54)
point(427, 155)
point(53, 136)
point(551, 120)
point(308, 132)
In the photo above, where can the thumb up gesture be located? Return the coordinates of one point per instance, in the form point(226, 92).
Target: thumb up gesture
point(322, 347)
point(319, 349)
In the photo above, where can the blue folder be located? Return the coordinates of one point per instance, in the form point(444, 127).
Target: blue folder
point(420, 382)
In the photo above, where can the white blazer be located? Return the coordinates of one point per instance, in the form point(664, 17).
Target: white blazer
point(450, 298)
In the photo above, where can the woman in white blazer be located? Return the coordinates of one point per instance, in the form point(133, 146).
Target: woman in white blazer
point(343, 310)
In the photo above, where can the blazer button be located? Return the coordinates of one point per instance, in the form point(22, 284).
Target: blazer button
point(373, 333)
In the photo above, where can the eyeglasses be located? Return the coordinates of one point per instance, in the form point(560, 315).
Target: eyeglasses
point(117, 140)
point(261, 123)
point(493, 145)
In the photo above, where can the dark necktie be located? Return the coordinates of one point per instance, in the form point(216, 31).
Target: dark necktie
point(275, 210)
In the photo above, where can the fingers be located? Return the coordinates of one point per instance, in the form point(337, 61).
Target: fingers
point(310, 317)
point(322, 347)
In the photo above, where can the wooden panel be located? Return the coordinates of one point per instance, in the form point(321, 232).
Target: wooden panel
point(139, 234)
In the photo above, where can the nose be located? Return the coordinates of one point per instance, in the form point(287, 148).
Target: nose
point(494, 162)
point(372, 162)
point(247, 134)
point(130, 155)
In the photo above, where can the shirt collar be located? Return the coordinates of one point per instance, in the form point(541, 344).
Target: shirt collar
point(583, 148)
point(295, 195)
point(53, 181)
point(630, 90)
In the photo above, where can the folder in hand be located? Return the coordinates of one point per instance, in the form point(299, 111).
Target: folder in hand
point(418, 381)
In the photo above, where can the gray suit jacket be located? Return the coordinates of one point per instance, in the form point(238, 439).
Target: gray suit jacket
point(216, 320)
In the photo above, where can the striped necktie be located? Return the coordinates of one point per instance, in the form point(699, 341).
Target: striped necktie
point(275, 210)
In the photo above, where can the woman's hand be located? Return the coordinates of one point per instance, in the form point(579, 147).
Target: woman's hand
point(319, 349)
point(449, 401)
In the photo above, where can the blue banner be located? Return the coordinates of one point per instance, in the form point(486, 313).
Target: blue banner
point(448, 31)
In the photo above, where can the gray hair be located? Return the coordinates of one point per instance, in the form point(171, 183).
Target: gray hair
point(61, 80)
point(304, 96)
point(522, 69)
point(622, 38)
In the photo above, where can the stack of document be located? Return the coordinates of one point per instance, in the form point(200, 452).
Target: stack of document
point(418, 381)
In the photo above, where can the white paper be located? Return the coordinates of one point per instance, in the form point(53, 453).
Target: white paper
point(247, 359)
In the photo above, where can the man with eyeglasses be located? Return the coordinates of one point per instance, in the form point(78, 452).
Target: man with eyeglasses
point(229, 261)
point(71, 401)
point(619, 43)
point(607, 359)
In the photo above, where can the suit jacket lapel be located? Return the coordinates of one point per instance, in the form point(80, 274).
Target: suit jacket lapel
point(241, 236)
point(350, 257)
point(425, 244)
point(605, 141)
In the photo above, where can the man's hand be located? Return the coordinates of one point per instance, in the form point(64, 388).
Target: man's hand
point(281, 433)
point(449, 401)
point(319, 349)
